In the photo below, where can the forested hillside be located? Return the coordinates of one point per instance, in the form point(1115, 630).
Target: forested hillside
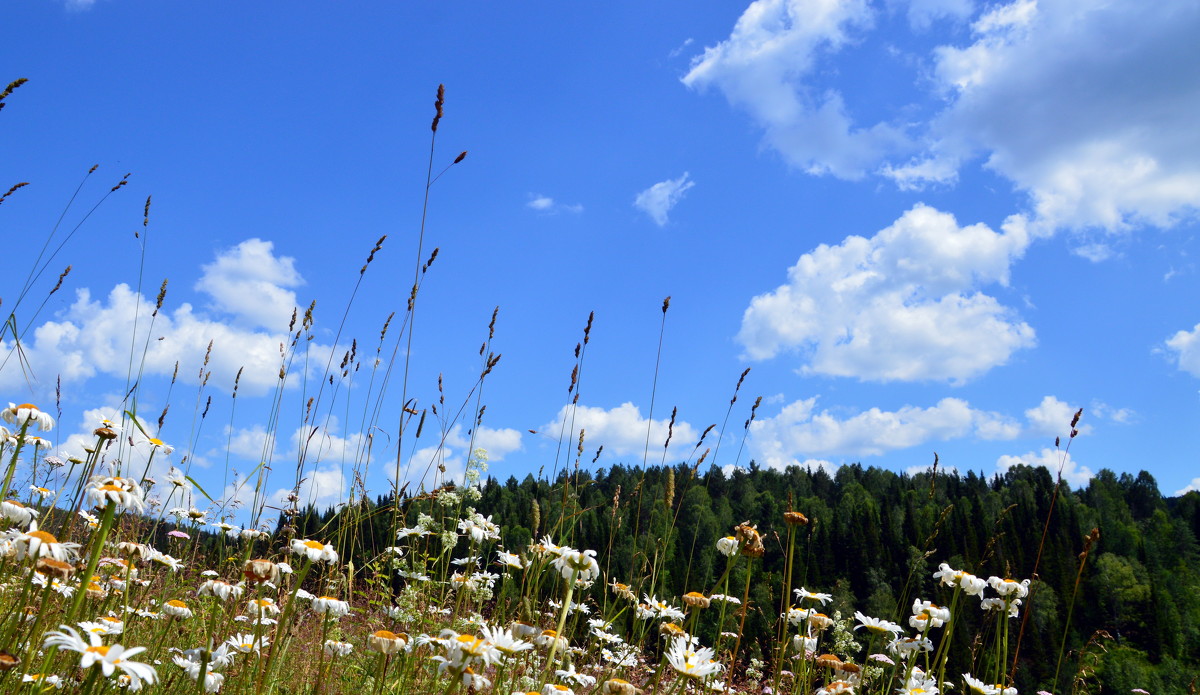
point(873, 539)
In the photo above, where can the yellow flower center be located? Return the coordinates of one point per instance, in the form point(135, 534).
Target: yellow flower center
point(384, 634)
point(314, 545)
point(176, 603)
point(98, 649)
point(43, 536)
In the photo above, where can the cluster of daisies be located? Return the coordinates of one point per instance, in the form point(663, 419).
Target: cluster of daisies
point(558, 638)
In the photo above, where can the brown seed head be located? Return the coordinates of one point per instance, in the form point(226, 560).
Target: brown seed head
point(795, 519)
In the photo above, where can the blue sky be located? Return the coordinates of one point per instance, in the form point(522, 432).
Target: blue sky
point(925, 225)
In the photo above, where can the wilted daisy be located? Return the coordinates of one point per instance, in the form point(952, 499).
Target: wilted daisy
point(261, 570)
point(27, 413)
point(108, 658)
point(727, 546)
point(315, 551)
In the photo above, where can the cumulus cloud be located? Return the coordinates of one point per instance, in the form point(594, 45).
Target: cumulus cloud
point(251, 283)
point(1084, 105)
point(800, 432)
point(904, 305)
point(923, 13)
point(1096, 136)
point(1052, 418)
point(622, 430)
point(1193, 486)
point(134, 461)
point(658, 200)
point(764, 66)
point(1184, 347)
point(94, 336)
point(547, 205)
point(420, 469)
point(1051, 459)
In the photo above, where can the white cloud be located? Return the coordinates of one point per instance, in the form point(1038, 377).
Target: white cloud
point(903, 305)
point(762, 67)
point(94, 337)
point(622, 431)
point(914, 470)
point(548, 205)
point(1052, 418)
point(322, 487)
point(800, 432)
point(420, 470)
point(1186, 348)
point(1193, 486)
point(1050, 459)
point(249, 282)
point(1085, 105)
point(810, 465)
point(1105, 411)
point(657, 200)
point(923, 13)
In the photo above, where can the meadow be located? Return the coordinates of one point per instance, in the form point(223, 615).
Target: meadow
point(656, 578)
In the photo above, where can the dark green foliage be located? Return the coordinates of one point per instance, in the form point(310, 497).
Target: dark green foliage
point(875, 539)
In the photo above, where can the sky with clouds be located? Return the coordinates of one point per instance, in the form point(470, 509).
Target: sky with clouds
point(923, 225)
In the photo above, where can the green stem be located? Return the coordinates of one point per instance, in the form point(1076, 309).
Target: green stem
point(97, 548)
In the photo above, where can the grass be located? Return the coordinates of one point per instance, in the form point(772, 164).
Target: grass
point(106, 586)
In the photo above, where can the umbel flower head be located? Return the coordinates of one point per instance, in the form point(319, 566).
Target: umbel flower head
point(27, 413)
